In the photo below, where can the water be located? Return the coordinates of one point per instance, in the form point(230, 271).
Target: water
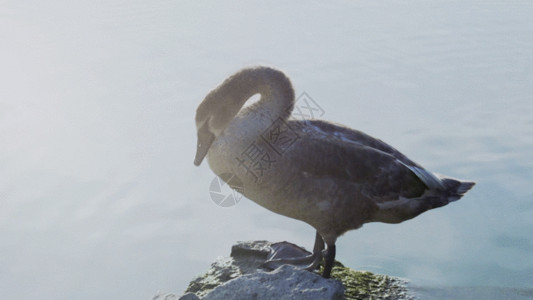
point(99, 197)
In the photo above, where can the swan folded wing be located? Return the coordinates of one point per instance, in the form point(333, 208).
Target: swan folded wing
point(351, 136)
point(380, 175)
point(355, 137)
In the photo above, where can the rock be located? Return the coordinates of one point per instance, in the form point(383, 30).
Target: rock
point(188, 296)
point(286, 282)
point(242, 276)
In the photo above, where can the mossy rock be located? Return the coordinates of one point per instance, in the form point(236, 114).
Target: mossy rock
point(366, 285)
point(248, 257)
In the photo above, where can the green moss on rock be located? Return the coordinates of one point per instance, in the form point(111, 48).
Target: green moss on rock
point(367, 285)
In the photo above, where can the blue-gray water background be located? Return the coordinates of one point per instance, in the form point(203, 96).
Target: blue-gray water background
point(99, 198)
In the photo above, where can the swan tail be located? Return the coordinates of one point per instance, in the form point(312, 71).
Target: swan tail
point(396, 211)
point(455, 188)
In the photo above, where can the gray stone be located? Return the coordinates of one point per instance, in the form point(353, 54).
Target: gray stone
point(166, 297)
point(286, 282)
point(189, 296)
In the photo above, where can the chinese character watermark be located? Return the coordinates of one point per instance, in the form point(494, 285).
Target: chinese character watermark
point(260, 155)
point(255, 159)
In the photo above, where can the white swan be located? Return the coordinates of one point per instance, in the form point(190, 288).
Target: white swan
point(332, 177)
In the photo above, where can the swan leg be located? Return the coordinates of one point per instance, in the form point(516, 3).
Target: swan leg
point(319, 243)
point(317, 253)
point(329, 260)
point(310, 261)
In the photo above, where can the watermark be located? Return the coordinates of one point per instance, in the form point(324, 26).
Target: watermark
point(226, 190)
point(306, 108)
point(255, 159)
point(264, 152)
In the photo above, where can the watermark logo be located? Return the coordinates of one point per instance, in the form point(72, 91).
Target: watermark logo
point(306, 108)
point(226, 190)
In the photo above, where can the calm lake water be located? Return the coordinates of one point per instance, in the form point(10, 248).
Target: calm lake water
point(99, 198)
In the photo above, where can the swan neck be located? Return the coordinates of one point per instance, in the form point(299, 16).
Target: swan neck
point(274, 87)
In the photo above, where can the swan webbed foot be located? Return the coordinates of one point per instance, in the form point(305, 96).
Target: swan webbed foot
point(309, 262)
point(287, 253)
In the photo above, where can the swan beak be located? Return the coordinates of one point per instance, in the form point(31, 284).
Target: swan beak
point(205, 139)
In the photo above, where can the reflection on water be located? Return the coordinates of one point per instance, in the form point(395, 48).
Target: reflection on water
point(99, 196)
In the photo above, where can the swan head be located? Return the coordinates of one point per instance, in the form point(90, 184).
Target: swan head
point(205, 139)
point(213, 115)
point(222, 104)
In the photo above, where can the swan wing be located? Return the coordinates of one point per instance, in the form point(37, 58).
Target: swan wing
point(339, 153)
